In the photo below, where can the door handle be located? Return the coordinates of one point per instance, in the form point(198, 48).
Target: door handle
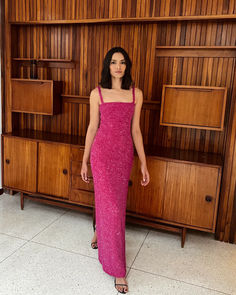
point(65, 171)
point(208, 198)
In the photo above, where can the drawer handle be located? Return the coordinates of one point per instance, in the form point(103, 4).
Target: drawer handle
point(64, 171)
point(7, 161)
point(130, 182)
point(208, 198)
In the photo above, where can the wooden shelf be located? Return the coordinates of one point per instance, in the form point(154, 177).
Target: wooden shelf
point(70, 98)
point(42, 59)
point(196, 47)
point(45, 136)
point(130, 19)
point(195, 51)
point(188, 156)
point(49, 62)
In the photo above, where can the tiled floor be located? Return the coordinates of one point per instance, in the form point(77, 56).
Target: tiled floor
point(46, 250)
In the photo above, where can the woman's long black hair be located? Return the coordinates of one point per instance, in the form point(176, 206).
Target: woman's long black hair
point(106, 76)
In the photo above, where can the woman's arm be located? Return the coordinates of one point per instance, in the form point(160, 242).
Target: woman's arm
point(137, 136)
point(91, 131)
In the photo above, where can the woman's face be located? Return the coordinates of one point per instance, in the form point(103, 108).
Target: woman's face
point(117, 65)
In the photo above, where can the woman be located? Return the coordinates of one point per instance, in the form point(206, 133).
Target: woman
point(111, 156)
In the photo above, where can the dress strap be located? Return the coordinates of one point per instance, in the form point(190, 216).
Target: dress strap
point(133, 94)
point(100, 93)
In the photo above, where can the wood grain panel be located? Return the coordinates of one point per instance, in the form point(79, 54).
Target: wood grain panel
point(82, 9)
point(153, 194)
point(187, 187)
point(53, 169)
point(20, 163)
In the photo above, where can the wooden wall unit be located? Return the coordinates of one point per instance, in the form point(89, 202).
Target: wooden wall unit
point(170, 42)
point(193, 107)
point(36, 96)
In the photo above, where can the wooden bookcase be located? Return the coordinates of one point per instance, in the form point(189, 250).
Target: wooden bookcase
point(63, 49)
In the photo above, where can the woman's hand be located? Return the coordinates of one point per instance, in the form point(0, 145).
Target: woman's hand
point(146, 177)
point(84, 172)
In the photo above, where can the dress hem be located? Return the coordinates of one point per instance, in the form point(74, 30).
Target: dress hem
point(110, 273)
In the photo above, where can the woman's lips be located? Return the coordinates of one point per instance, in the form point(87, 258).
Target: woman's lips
point(118, 72)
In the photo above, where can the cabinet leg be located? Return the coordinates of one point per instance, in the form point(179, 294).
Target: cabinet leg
point(183, 235)
point(22, 200)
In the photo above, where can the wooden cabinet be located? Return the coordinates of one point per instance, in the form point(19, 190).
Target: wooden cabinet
point(191, 195)
point(147, 201)
point(36, 96)
point(201, 107)
point(183, 191)
point(20, 160)
point(178, 193)
point(53, 169)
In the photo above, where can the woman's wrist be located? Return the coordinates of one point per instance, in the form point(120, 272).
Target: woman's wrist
point(144, 163)
point(84, 161)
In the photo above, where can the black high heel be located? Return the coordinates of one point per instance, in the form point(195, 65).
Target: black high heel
point(94, 244)
point(123, 292)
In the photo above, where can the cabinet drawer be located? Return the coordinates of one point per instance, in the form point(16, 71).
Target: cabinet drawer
point(78, 183)
point(82, 197)
point(76, 154)
point(76, 168)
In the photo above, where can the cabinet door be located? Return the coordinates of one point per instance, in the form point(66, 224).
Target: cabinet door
point(20, 160)
point(147, 200)
point(191, 194)
point(53, 169)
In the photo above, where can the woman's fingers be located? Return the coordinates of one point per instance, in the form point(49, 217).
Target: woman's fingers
point(145, 179)
point(84, 177)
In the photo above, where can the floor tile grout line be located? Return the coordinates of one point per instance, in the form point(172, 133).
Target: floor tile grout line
point(157, 274)
point(50, 224)
point(30, 240)
point(131, 267)
point(14, 252)
point(64, 250)
point(138, 251)
point(13, 236)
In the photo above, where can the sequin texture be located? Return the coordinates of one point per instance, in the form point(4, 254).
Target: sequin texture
point(111, 159)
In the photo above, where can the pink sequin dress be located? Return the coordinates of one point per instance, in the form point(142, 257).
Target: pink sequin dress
point(111, 159)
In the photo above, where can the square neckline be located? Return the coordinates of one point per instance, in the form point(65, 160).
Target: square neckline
point(100, 93)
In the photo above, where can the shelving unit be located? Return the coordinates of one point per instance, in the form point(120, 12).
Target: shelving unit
point(155, 205)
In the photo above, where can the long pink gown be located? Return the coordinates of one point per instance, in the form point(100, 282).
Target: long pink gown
point(111, 158)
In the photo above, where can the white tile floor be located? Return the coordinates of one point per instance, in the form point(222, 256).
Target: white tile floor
point(46, 250)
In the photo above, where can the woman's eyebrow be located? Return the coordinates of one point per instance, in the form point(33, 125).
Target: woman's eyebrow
point(116, 59)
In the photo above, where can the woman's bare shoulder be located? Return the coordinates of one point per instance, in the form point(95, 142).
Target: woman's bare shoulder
point(138, 94)
point(94, 92)
point(94, 96)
